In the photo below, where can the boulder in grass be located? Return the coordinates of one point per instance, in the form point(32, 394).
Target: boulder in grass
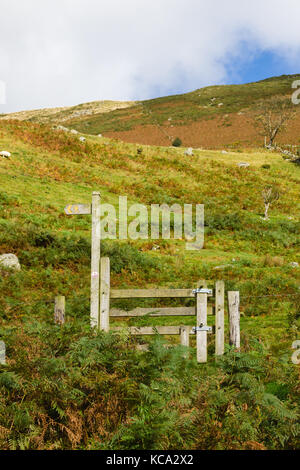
point(73, 131)
point(82, 139)
point(100, 135)
point(294, 264)
point(5, 154)
point(10, 261)
point(243, 165)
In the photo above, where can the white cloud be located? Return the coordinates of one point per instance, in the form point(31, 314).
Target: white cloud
point(62, 52)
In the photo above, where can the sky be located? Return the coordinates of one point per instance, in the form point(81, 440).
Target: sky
point(65, 52)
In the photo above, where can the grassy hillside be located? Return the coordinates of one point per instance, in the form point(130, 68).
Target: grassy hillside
point(66, 387)
point(212, 117)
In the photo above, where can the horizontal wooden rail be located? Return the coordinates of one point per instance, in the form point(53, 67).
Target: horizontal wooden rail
point(151, 293)
point(150, 330)
point(158, 312)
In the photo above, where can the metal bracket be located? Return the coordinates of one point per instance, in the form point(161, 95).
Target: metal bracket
point(201, 328)
point(203, 290)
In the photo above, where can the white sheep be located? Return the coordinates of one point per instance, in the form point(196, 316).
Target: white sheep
point(5, 154)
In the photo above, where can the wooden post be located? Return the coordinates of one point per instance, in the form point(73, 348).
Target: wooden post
point(104, 294)
point(201, 338)
point(185, 338)
point(234, 318)
point(59, 310)
point(95, 259)
point(220, 289)
point(2, 353)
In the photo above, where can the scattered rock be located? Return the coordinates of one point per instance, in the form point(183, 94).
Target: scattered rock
point(221, 104)
point(224, 151)
point(10, 261)
point(294, 264)
point(82, 139)
point(5, 154)
point(73, 131)
point(155, 247)
point(62, 128)
point(189, 152)
point(100, 135)
point(243, 165)
point(224, 266)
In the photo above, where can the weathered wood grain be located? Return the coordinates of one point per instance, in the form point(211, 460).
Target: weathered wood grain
point(151, 293)
point(201, 321)
point(59, 310)
point(104, 294)
point(95, 260)
point(220, 290)
point(234, 318)
point(159, 312)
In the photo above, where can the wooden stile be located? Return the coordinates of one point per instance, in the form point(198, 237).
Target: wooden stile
point(234, 318)
point(104, 294)
point(219, 308)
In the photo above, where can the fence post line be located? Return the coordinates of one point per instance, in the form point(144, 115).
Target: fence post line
point(104, 294)
point(220, 290)
point(234, 318)
point(95, 259)
point(59, 310)
point(201, 336)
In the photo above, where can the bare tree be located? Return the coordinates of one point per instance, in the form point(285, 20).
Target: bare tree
point(270, 195)
point(272, 117)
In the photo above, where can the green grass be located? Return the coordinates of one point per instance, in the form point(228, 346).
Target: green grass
point(49, 169)
point(186, 108)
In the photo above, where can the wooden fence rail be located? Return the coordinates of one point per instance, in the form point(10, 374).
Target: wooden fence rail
point(200, 311)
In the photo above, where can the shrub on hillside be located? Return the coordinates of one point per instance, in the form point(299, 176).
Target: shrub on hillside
point(177, 142)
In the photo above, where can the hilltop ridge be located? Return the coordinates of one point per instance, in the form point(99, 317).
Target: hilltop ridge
point(213, 117)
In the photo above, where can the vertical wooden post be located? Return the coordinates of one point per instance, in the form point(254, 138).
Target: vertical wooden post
point(95, 259)
point(104, 294)
point(185, 339)
point(201, 338)
point(234, 318)
point(185, 336)
point(59, 310)
point(220, 289)
point(2, 353)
